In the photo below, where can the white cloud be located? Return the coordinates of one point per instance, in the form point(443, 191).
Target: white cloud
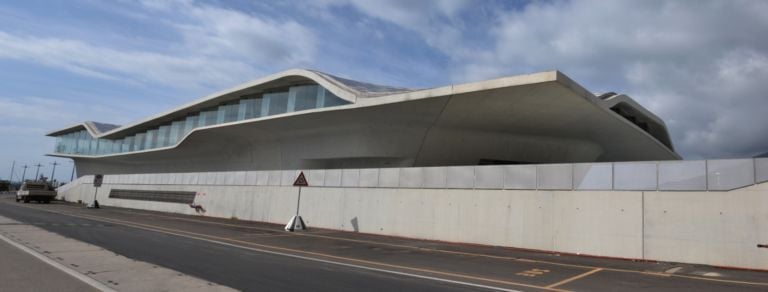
point(220, 32)
point(27, 119)
point(218, 47)
point(436, 21)
point(117, 65)
point(702, 67)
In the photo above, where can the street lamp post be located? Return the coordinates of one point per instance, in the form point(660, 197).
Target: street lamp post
point(72, 177)
point(37, 172)
point(12, 168)
point(53, 171)
point(24, 174)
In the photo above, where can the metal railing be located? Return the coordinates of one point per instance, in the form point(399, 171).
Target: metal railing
point(696, 175)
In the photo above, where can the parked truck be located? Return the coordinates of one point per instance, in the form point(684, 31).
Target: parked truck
point(39, 191)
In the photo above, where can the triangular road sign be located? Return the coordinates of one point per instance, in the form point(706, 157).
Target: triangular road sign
point(301, 181)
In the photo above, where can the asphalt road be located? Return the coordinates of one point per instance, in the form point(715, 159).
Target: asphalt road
point(256, 256)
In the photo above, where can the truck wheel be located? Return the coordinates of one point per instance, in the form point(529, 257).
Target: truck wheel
point(26, 200)
point(47, 201)
point(17, 199)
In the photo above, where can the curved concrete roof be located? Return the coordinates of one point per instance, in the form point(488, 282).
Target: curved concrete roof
point(364, 89)
point(346, 89)
point(93, 128)
point(359, 94)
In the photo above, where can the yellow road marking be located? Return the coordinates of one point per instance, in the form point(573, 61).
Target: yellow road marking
point(532, 272)
point(574, 278)
point(656, 274)
point(209, 238)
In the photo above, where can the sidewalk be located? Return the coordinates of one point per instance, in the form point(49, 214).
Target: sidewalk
point(20, 271)
point(89, 267)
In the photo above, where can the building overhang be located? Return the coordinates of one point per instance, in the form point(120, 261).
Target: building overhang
point(564, 100)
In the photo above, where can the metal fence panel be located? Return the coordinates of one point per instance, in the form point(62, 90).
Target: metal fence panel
point(412, 177)
point(723, 175)
point(239, 178)
point(593, 176)
point(389, 177)
point(156, 178)
point(521, 177)
point(316, 178)
point(288, 177)
point(460, 177)
point(174, 178)
point(225, 178)
point(274, 178)
point(151, 178)
point(134, 179)
point(682, 176)
point(434, 177)
point(761, 169)
point(634, 176)
point(715, 175)
point(350, 177)
point(147, 178)
point(252, 178)
point(262, 178)
point(190, 178)
point(554, 176)
point(141, 179)
point(332, 178)
point(369, 177)
point(489, 177)
point(207, 178)
point(163, 179)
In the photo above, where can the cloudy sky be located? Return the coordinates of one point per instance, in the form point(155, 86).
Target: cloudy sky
point(700, 65)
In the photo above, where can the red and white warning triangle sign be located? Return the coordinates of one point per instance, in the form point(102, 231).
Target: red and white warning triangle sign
point(301, 181)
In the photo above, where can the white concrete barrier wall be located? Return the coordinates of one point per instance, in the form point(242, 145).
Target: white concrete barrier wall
point(468, 204)
point(713, 228)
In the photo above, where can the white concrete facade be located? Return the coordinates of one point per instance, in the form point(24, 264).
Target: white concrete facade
point(536, 118)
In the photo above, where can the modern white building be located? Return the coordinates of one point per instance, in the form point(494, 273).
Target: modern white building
point(304, 119)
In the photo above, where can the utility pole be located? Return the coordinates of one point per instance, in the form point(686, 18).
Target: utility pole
point(24, 174)
point(12, 167)
point(54, 169)
point(72, 177)
point(37, 172)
